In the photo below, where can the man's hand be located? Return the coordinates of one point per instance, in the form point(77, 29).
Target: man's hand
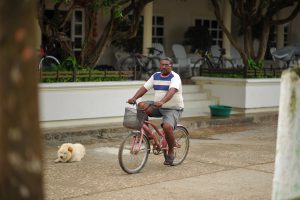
point(158, 104)
point(131, 101)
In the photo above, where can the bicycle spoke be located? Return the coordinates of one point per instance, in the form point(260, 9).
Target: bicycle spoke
point(133, 155)
point(182, 145)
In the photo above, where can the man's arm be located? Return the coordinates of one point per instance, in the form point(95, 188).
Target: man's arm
point(166, 98)
point(137, 95)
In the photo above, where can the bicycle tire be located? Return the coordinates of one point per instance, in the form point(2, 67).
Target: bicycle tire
point(151, 67)
point(222, 63)
point(129, 160)
point(228, 63)
point(130, 63)
point(199, 61)
point(48, 62)
point(182, 144)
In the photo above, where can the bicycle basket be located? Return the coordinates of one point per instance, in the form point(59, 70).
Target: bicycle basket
point(134, 118)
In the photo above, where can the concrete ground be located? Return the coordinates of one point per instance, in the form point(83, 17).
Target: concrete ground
point(232, 163)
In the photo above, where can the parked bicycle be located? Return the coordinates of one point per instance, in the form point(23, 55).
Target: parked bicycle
point(47, 61)
point(143, 66)
point(135, 148)
point(213, 62)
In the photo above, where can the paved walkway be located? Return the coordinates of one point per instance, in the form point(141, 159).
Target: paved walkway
point(227, 163)
point(204, 125)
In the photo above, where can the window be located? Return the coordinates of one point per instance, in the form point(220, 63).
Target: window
point(273, 35)
point(77, 31)
point(158, 29)
point(273, 39)
point(213, 28)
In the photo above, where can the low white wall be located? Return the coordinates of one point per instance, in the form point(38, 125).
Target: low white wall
point(80, 101)
point(242, 93)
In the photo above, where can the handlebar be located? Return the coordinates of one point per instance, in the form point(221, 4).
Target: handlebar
point(153, 49)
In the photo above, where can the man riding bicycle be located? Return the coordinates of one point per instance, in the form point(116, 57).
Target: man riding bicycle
point(168, 102)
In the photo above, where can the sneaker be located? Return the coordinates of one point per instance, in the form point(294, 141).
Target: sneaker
point(169, 159)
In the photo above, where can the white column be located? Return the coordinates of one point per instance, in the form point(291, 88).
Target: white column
point(286, 181)
point(38, 34)
point(147, 37)
point(279, 35)
point(227, 23)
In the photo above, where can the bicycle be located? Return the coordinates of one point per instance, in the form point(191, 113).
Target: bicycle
point(135, 148)
point(47, 61)
point(214, 62)
point(143, 66)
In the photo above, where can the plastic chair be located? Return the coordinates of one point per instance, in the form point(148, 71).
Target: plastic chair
point(182, 60)
point(159, 47)
point(215, 50)
point(285, 54)
point(236, 58)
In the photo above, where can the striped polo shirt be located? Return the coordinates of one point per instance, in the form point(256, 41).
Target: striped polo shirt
point(161, 84)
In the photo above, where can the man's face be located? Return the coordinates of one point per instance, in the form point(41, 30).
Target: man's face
point(165, 67)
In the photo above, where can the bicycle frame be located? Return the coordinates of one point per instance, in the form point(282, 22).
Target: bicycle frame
point(160, 144)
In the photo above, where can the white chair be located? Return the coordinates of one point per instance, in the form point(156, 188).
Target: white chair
point(159, 47)
point(279, 58)
point(236, 57)
point(120, 56)
point(182, 60)
point(215, 50)
point(272, 50)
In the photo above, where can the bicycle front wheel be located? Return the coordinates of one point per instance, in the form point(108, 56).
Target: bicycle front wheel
point(182, 144)
point(48, 63)
point(133, 155)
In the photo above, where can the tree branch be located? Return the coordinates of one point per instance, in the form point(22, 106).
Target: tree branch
point(293, 14)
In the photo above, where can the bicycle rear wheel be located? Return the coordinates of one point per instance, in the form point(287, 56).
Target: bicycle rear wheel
point(48, 63)
point(133, 158)
point(151, 67)
point(130, 63)
point(222, 63)
point(182, 144)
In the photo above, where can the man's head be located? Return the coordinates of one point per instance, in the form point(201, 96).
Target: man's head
point(166, 65)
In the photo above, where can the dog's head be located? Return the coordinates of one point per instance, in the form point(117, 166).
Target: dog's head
point(65, 153)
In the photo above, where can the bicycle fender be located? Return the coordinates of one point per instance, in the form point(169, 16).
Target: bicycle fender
point(180, 125)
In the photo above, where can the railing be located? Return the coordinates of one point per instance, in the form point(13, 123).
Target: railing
point(73, 76)
point(268, 72)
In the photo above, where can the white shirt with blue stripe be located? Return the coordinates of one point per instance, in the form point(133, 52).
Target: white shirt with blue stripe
point(161, 84)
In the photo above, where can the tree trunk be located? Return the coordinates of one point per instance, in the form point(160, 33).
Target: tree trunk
point(20, 138)
point(286, 182)
point(263, 40)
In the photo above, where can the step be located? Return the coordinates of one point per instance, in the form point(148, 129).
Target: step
point(186, 96)
point(191, 112)
point(191, 88)
point(194, 96)
point(197, 103)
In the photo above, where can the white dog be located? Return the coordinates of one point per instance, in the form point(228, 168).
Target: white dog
point(69, 152)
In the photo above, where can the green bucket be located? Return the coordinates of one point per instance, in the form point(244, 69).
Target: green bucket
point(220, 110)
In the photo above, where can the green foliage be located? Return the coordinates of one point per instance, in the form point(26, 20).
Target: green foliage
point(70, 63)
point(255, 65)
point(198, 37)
point(86, 78)
point(107, 5)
